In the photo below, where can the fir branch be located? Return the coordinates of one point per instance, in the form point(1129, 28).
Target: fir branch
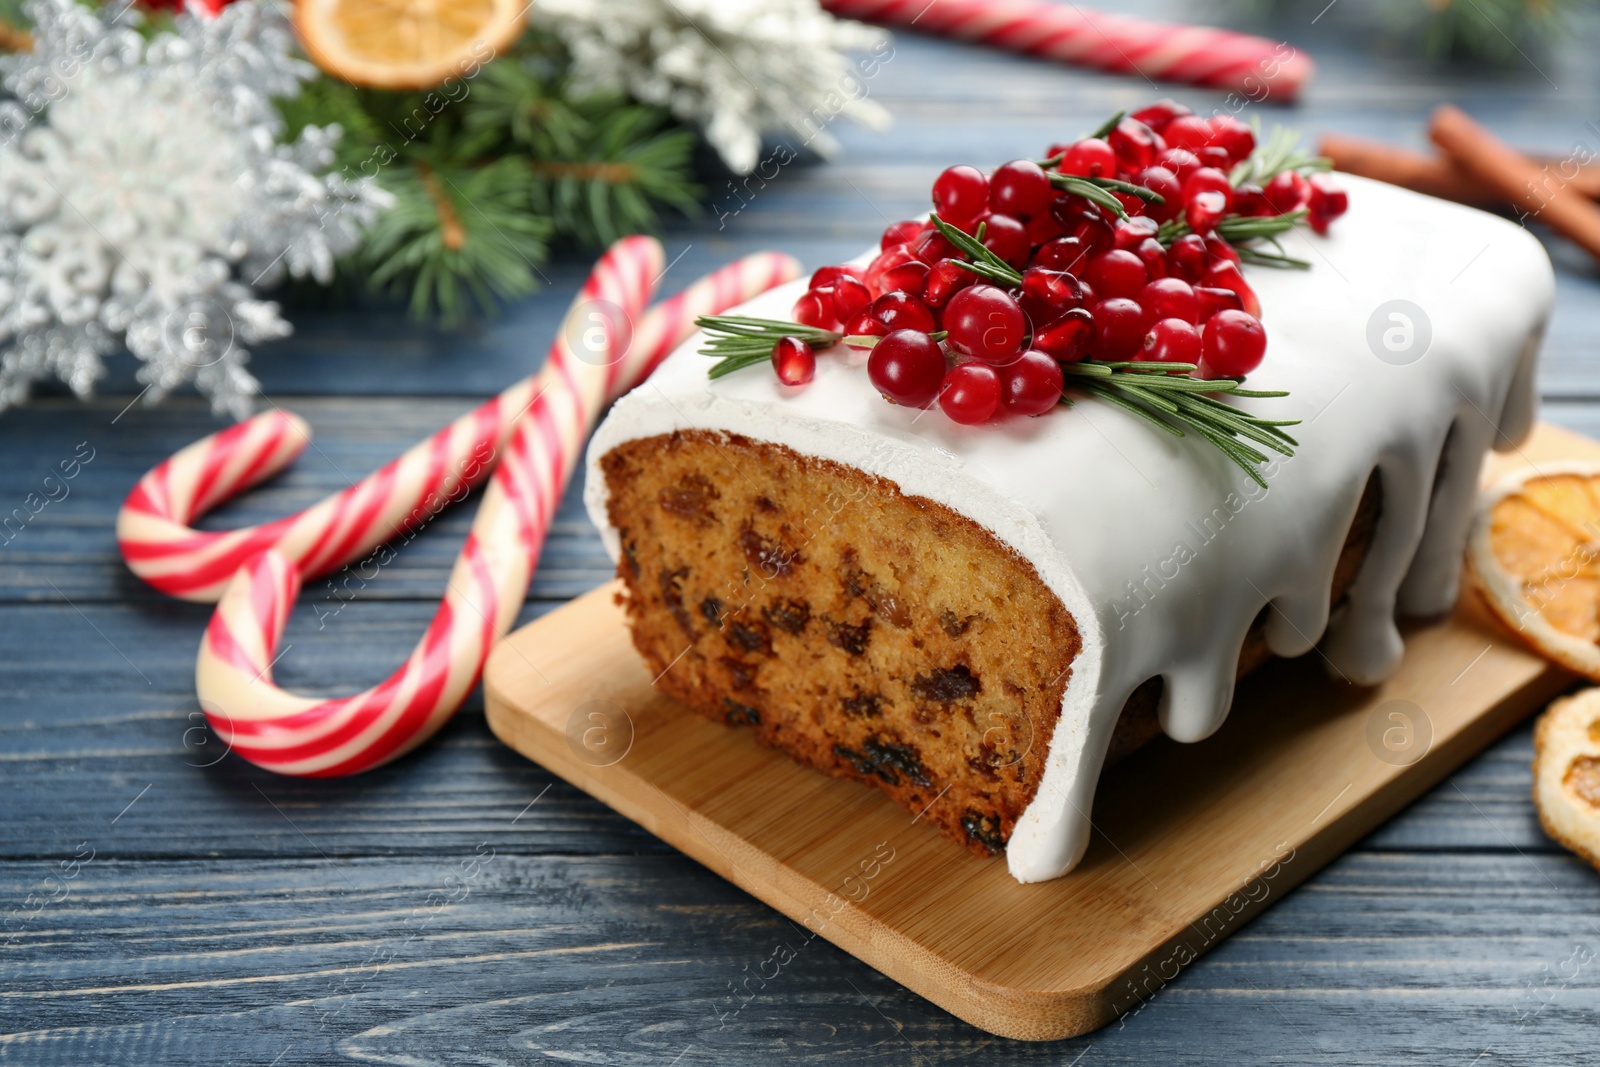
point(1169, 397)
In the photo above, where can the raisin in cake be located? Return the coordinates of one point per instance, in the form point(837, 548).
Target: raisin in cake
point(974, 618)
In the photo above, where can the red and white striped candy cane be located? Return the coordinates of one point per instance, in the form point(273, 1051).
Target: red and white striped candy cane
point(295, 735)
point(154, 527)
point(1163, 51)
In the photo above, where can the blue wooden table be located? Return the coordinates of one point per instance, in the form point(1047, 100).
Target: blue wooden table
point(166, 903)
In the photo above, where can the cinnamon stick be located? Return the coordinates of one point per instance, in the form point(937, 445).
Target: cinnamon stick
point(1436, 175)
point(1535, 192)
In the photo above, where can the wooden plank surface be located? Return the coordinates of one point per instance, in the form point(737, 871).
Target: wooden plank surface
point(1448, 935)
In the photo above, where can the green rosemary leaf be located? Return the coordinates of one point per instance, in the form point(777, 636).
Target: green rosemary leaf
point(983, 261)
point(1108, 125)
point(1071, 183)
point(1120, 186)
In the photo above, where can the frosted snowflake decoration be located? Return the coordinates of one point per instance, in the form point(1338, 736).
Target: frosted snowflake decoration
point(735, 68)
point(144, 195)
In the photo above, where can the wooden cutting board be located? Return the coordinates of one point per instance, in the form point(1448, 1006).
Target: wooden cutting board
point(1190, 842)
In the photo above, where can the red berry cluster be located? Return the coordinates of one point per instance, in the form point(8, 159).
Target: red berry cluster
point(1154, 282)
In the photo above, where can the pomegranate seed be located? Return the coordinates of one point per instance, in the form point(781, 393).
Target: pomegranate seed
point(1172, 341)
point(1217, 249)
point(1214, 156)
point(971, 393)
point(1232, 345)
point(1153, 256)
point(1090, 158)
point(886, 261)
point(831, 275)
point(850, 295)
point(930, 247)
point(899, 233)
point(902, 311)
point(1064, 253)
point(1225, 275)
point(1212, 301)
point(815, 308)
point(1188, 131)
point(1007, 238)
point(1287, 192)
point(1249, 201)
point(1067, 339)
point(1179, 161)
point(1067, 209)
point(794, 361)
point(1232, 136)
point(1170, 298)
point(1204, 210)
point(1131, 204)
point(1157, 115)
point(1207, 179)
point(960, 195)
point(907, 367)
point(1032, 385)
point(906, 278)
point(1188, 258)
point(985, 323)
point(1093, 230)
point(1117, 274)
point(1164, 183)
point(1020, 189)
point(1326, 203)
point(1127, 233)
point(1044, 227)
point(863, 325)
point(1046, 294)
point(1135, 144)
point(944, 279)
point(1118, 328)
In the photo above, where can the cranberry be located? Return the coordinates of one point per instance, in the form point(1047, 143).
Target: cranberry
point(1188, 258)
point(1090, 158)
point(1188, 131)
point(1068, 208)
point(907, 367)
point(1135, 144)
point(1172, 341)
point(1287, 192)
point(960, 195)
point(1153, 256)
point(930, 247)
point(1225, 274)
point(1020, 189)
point(1207, 179)
point(831, 275)
point(1032, 385)
point(1179, 161)
point(944, 279)
point(1127, 233)
point(1067, 339)
point(906, 278)
point(815, 308)
point(1251, 202)
point(1157, 115)
point(1064, 253)
point(1213, 300)
point(1118, 328)
point(902, 311)
point(1007, 238)
point(1170, 298)
point(1093, 230)
point(1327, 202)
point(1164, 183)
point(1214, 156)
point(1044, 227)
point(971, 393)
point(850, 295)
point(899, 233)
point(1132, 204)
point(1232, 136)
point(1232, 345)
point(1117, 274)
point(794, 361)
point(985, 323)
point(1046, 294)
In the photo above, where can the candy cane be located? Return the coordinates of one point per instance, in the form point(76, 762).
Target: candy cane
point(294, 735)
point(1196, 55)
point(161, 546)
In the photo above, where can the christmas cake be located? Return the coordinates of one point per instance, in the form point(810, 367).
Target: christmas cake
point(1041, 476)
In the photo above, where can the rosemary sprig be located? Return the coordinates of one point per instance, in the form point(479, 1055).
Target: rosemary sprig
point(740, 341)
point(982, 262)
point(1281, 152)
point(1096, 191)
point(1168, 396)
point(1105, 128)
point(1240, 230)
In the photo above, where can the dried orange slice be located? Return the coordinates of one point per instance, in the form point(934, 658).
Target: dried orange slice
point(406, 44)
point(1534, 552)
point(1566, 773)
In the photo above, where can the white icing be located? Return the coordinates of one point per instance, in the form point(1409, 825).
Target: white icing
point(1163, 552)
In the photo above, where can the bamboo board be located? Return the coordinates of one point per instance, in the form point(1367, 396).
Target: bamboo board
point(1190, 842)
